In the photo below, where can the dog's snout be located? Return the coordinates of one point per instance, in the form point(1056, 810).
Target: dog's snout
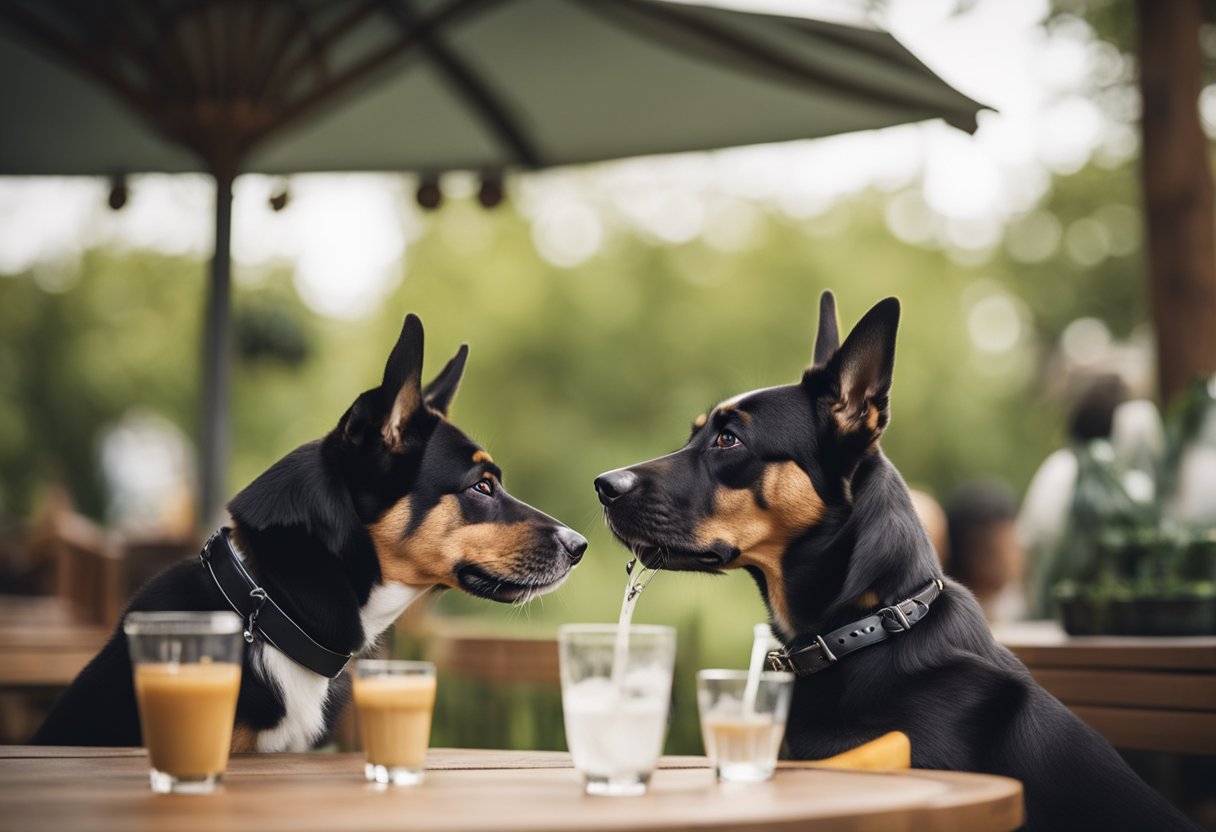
point(615, 484)
point(573, 543)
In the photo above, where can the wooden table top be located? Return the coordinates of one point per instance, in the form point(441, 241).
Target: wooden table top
point(67, 789)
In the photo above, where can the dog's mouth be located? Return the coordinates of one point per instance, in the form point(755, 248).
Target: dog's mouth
point(713, 559)
point(679, 558)
point(484, 584)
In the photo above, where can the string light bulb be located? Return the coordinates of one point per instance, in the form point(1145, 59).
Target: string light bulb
point(118, 193)
point(491, 192)
point(280, 199)
point(429, 196)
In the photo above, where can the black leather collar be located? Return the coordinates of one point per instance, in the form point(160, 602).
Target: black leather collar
point(262, 615)
point(831, 648)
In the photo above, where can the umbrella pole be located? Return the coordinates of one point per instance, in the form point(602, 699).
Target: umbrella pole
point(217, 360)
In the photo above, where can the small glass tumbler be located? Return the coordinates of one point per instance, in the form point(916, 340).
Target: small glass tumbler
point(616, 695)
point(395, 701)
point(187, 668)
point(742, 727)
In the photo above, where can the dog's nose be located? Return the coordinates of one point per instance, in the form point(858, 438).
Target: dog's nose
point(573, 542)
point(615, 484)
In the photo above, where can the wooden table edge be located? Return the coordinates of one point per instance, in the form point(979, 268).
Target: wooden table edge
point(966, 801)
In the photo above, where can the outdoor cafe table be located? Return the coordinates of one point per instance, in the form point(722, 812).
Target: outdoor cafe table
point(98, 789)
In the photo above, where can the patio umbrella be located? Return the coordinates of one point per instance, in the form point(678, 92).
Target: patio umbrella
point(108, 87)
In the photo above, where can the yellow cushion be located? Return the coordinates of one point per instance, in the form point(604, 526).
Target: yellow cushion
point(890, 752)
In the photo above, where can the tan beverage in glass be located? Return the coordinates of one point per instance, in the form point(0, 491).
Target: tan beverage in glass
point(743, 721)
point(187, 668)
point(395, 701)
point(186, 713)
point(740, 741)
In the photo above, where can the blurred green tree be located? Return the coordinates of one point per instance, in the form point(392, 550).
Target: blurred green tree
point(577, 370)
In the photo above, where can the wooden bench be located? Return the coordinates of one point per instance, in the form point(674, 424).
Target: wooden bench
point(46, 640)
point(1151, 694)
point(494, 660)
point(43, 642)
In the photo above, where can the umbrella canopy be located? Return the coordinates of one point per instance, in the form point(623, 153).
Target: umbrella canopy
point(105, 87)
point(282, 87)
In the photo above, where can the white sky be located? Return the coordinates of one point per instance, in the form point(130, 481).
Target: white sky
point(347, 234)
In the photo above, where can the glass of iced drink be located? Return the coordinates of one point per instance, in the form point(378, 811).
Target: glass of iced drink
point(187, 675)
point(616, 694)
point(741, 725)
point(394, 700)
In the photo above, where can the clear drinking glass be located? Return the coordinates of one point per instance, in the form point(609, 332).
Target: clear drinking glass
point(616, 694)
point(395, 700)
point(743, 737)
point(187, 669)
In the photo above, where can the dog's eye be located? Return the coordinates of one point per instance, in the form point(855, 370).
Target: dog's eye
point(726, 439)
point(485, 486)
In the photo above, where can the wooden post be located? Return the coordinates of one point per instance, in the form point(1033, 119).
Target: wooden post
point(1177, 184)
point(217, 360)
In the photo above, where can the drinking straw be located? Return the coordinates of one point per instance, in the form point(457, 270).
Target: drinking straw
point(762, 638)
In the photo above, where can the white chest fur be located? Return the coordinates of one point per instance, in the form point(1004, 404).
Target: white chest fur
point(304, 692)
point(383, 607)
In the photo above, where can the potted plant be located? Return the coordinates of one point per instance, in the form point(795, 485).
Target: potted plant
point(1139, 556)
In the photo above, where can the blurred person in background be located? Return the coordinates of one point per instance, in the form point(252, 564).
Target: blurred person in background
point(933, 518)
point(986, 555)
point(1043, 519)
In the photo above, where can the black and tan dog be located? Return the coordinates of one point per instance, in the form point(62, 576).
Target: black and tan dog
point(343, 533)
point(789, 483)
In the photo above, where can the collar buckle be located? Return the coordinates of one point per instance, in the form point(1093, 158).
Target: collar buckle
point(894, 620)
point(779, 661)
point(784, 661)
point(258, 594)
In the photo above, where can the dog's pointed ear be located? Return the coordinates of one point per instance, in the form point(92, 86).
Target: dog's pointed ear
point(438, 394)
point(863, 367)
point(827, 340)
point(401, 389)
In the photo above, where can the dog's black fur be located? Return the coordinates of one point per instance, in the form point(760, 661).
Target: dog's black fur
point(789, 483)
point(394, 500)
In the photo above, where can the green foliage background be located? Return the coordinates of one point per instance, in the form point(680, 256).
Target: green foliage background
point(572, 371)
